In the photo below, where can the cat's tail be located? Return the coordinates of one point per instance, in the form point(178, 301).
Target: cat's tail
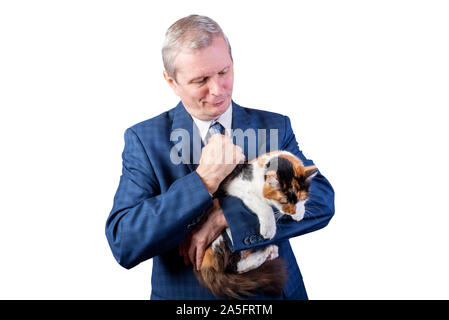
point(269, 278)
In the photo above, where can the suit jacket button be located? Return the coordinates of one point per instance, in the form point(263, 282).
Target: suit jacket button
point(246, 240)
point(253, 239)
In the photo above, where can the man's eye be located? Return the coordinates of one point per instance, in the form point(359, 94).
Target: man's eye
point(199, 81)
point(223, 72)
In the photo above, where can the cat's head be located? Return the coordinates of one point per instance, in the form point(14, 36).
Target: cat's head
point(287, 183)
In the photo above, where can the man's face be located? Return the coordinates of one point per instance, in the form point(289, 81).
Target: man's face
point(204, 80)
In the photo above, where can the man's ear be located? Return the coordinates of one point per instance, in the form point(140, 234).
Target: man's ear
point(171, 82)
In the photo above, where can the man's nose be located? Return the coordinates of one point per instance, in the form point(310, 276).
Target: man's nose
point(215, 86)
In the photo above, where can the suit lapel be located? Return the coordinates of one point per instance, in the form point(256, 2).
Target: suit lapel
point(186, 138)
point(242, 120)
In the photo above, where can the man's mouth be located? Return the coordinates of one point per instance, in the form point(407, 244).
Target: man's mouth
point(216, 103)
point(219, 103)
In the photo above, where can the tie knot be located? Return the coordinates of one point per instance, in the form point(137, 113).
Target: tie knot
point(215, 128)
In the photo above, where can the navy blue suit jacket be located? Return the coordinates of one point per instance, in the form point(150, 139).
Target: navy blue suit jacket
point(158, 203)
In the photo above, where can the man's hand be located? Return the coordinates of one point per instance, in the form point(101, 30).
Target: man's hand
point(218, 158)
point(209, 228)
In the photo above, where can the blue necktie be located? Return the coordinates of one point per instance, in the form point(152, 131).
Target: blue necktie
point(214, 129)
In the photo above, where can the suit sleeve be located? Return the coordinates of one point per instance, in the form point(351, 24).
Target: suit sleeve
point(143, 221)
point(244, 225)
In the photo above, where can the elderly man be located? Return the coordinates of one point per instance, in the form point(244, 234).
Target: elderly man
point(161, 199)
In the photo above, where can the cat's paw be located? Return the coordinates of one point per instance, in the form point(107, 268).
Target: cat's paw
point(268, 230)
point(273, 252)
point(300, 211)
point(297, 216)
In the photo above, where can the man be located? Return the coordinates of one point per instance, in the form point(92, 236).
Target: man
point(163, 207)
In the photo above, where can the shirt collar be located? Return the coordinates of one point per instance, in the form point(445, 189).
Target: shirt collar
point(225, 120)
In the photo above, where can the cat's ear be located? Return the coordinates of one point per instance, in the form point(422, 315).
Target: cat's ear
point(310, 172)
point(272, 180)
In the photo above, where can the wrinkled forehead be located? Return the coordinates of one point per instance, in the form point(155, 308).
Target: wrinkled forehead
point(198, 62)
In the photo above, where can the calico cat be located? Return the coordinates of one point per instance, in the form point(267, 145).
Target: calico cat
point(276, 179)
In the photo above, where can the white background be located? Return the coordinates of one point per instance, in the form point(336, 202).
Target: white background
point(365, 84)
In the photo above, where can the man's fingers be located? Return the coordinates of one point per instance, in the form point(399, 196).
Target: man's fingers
point(191, 254)
point(199, 257)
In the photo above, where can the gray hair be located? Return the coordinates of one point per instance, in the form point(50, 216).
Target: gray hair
point(193, 32)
